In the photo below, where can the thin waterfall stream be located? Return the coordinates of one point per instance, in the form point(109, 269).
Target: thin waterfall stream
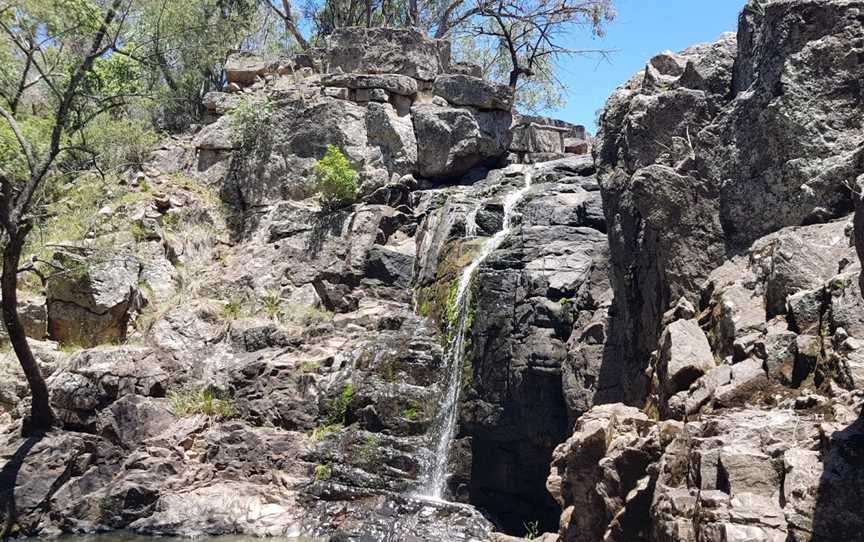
point(444, 428)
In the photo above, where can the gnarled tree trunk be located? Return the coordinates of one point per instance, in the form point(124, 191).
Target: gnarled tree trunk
point(41, 416)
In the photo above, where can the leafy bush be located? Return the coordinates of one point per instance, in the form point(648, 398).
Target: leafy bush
point(250, 119)
point(336, 179)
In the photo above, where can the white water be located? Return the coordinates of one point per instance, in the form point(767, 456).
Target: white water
point(445, 424)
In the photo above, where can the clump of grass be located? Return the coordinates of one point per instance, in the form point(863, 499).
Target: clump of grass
point(232, 309)
point(322, 472)
point(205, 401)
point(321, 432)
point(305, 314)
point(271, 305)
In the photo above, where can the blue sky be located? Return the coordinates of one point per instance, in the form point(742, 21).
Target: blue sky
point(642, 29)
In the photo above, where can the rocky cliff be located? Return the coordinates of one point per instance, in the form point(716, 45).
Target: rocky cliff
point(673, 323)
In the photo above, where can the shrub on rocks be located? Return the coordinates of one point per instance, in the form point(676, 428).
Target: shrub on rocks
point(337, 180)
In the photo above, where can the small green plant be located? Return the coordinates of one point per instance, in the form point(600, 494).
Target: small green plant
point(410, 413)
point(322, 472)
point(336, 179)
point(563, 301)
point(425, 309)
point(532, 529)
point(138, 232)
point(338, 407)
point(232, 309)
point(309, 366)
point(170, 221)
point(322, 431)
point(205, 401)
point(271, 305)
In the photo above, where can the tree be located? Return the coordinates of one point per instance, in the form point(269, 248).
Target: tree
point(532, 32)
point(517, 42)
point(289, 21)
point(33, 31)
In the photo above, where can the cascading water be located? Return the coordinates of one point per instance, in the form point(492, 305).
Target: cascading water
point(444, 427)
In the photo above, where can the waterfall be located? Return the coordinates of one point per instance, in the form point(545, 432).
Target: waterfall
point(444, 427)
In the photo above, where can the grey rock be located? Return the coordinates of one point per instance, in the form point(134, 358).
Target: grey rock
point(92, 303)
point(472, 91)
point(402, 51)
point(685, 355)
point(454, 140)
point(393, 83)
point(245, 68)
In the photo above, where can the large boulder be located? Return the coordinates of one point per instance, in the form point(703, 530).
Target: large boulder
point(454, 140)
point(684, 356)
point(244, 68)
point(91, 303)
point(403, 51)
point(460, 89)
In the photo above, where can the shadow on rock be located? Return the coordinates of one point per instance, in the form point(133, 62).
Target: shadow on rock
point(8, 481)
point(840, 497)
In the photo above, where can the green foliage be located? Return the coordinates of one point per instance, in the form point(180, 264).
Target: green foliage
point(205, 401)
point(366, 450)
point(115, 75)
point(323, 431)
point(338, 407)
point(410, 413)
point(271, 305)
point(118, 144)
point(232, 309)
point(336, 179)
point(425, 308)
point(322, 472)
point(251, 119)
point(36, 129)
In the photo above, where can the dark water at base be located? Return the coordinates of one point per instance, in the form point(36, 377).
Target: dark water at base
point(128, 537)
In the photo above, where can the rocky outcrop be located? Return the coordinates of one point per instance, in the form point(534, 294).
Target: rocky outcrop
point(387, 50)
point(92, 301)
point(690, 154)
point(740, 474)
point(735, 289)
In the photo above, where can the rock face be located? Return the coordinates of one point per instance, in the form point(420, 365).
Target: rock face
point(735, 288)
point(736, 475)
point(387, 50)
point(690, 155)
point(675, 324)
